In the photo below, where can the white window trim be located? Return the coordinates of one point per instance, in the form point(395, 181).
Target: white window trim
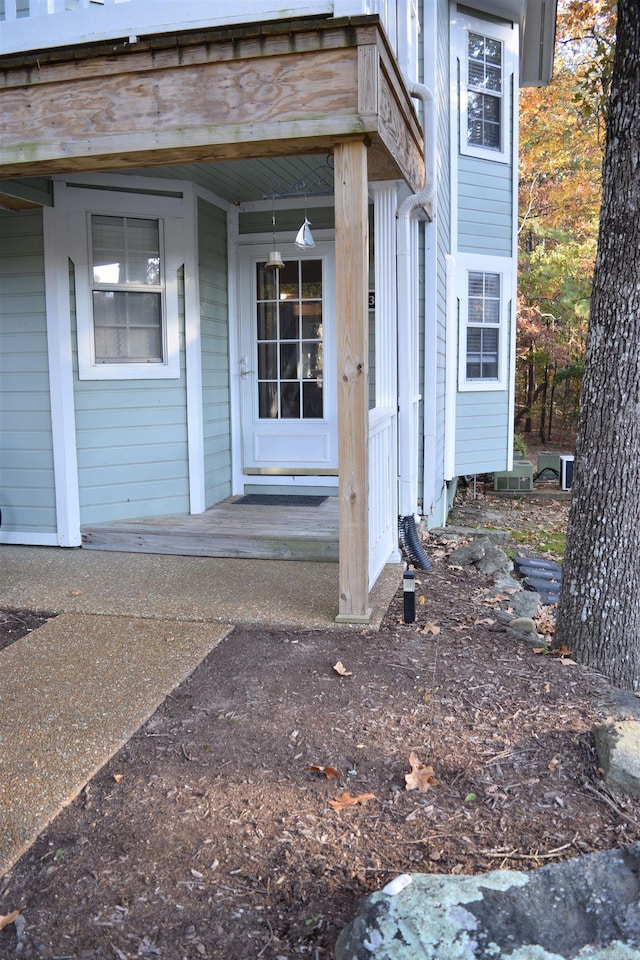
point(81, 204)
point(472, 263)
point(507, 34)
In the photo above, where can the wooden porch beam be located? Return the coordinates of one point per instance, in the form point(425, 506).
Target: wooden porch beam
point(352, 321)
point(208, 98)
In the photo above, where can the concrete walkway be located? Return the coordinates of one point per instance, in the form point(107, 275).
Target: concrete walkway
point(276, 593)
point(130, 628)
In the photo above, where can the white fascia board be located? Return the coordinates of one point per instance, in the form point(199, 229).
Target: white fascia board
point(63, 424)
point(193, 358)
point(130, 20)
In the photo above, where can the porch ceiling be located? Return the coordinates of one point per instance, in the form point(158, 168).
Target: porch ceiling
point(292, 90)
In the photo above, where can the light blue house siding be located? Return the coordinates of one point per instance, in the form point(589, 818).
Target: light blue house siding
point(485, 205)
point(440, 239)
point(212, 254)
point(132, 444)
point(27, 492)
point(485, 226)
point(481, 434)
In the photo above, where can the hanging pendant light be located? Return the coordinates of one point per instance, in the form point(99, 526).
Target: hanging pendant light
point(274, 258)
point(304, 238)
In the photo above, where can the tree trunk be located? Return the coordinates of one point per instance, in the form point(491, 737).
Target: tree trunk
point(552, 400)
point(531, 388)
point(543, 405)
point(599, 613)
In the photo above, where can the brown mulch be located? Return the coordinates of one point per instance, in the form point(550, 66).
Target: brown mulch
point(209, 836)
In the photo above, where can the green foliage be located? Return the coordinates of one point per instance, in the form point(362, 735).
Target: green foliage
point(519, 444)
point(560, 185)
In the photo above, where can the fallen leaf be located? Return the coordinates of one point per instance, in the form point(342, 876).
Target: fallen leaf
point(562, 651)
point(118, 777)
point(421, 777)
point(488, 620)
point(340, 668)
point(329, 772)
point(554, 763)
point(431, 628)
point(10, 918)
point(346, 800)
point(540, 649)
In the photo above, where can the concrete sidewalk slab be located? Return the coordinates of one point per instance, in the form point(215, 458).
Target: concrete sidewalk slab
point(287, 594)
point(71, 694)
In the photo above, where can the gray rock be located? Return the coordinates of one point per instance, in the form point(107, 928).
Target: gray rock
point(505, 586)
point(587, 907)
point(469, 552)
point(496, 536)
point(526, 603)
point(503, 616)
point(618, 748)
point(524, 625)
point(495, 560)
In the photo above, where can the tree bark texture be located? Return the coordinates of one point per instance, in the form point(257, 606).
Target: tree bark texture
point(599, 610)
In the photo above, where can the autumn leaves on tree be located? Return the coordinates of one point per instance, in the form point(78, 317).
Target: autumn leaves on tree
point(561, 150)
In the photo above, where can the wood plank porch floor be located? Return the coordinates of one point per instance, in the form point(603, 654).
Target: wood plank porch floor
point(228, 529)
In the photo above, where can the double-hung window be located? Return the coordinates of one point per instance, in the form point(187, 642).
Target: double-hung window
point(483, 325)
point(485, 91)
point(483, 295)
point(127, 250)
point(486, 68)
point(127, 287)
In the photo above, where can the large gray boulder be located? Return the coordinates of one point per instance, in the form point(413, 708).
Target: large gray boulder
point(618, 748)
point(587, 907)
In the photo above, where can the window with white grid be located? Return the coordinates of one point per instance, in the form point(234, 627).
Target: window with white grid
point(484, 303)
point(128, 253)
point(485, 53)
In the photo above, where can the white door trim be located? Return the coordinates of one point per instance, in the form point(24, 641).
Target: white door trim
point(270, 472)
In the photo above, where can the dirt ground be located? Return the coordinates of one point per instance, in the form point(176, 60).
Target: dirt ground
point(212, 834)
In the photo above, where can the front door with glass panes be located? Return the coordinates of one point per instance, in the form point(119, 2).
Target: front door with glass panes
point(287, 363)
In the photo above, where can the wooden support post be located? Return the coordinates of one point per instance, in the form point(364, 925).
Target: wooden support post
point(352, 320)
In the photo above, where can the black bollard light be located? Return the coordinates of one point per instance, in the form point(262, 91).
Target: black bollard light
point(409, 595)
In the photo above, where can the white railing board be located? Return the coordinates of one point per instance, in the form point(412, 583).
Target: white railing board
point(30, 25)
point(382, 518)
point(55, 26)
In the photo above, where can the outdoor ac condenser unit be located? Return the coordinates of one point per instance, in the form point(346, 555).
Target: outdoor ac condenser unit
point(566, 472)
point(518, 480)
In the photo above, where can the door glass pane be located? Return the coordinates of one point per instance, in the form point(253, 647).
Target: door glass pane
point(267, 361)
point(312, 361)
point(268, 400)
point(311, 285)
point(267, 321)
point(290, 401)
point(290, 348)
point(312, 399)
point(289, 310)
point(312, 320)
point(289, 361)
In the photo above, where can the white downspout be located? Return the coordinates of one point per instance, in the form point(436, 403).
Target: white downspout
point(408, 322)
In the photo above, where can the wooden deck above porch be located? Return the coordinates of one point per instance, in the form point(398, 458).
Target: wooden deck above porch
point(262, 90)
point(229, 529)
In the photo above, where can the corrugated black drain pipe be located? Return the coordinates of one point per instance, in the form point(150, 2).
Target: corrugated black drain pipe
point(411, 544)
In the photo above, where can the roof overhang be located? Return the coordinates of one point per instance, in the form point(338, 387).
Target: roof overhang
point(537, 19)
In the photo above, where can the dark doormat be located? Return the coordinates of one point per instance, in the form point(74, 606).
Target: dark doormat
point(280, 500)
